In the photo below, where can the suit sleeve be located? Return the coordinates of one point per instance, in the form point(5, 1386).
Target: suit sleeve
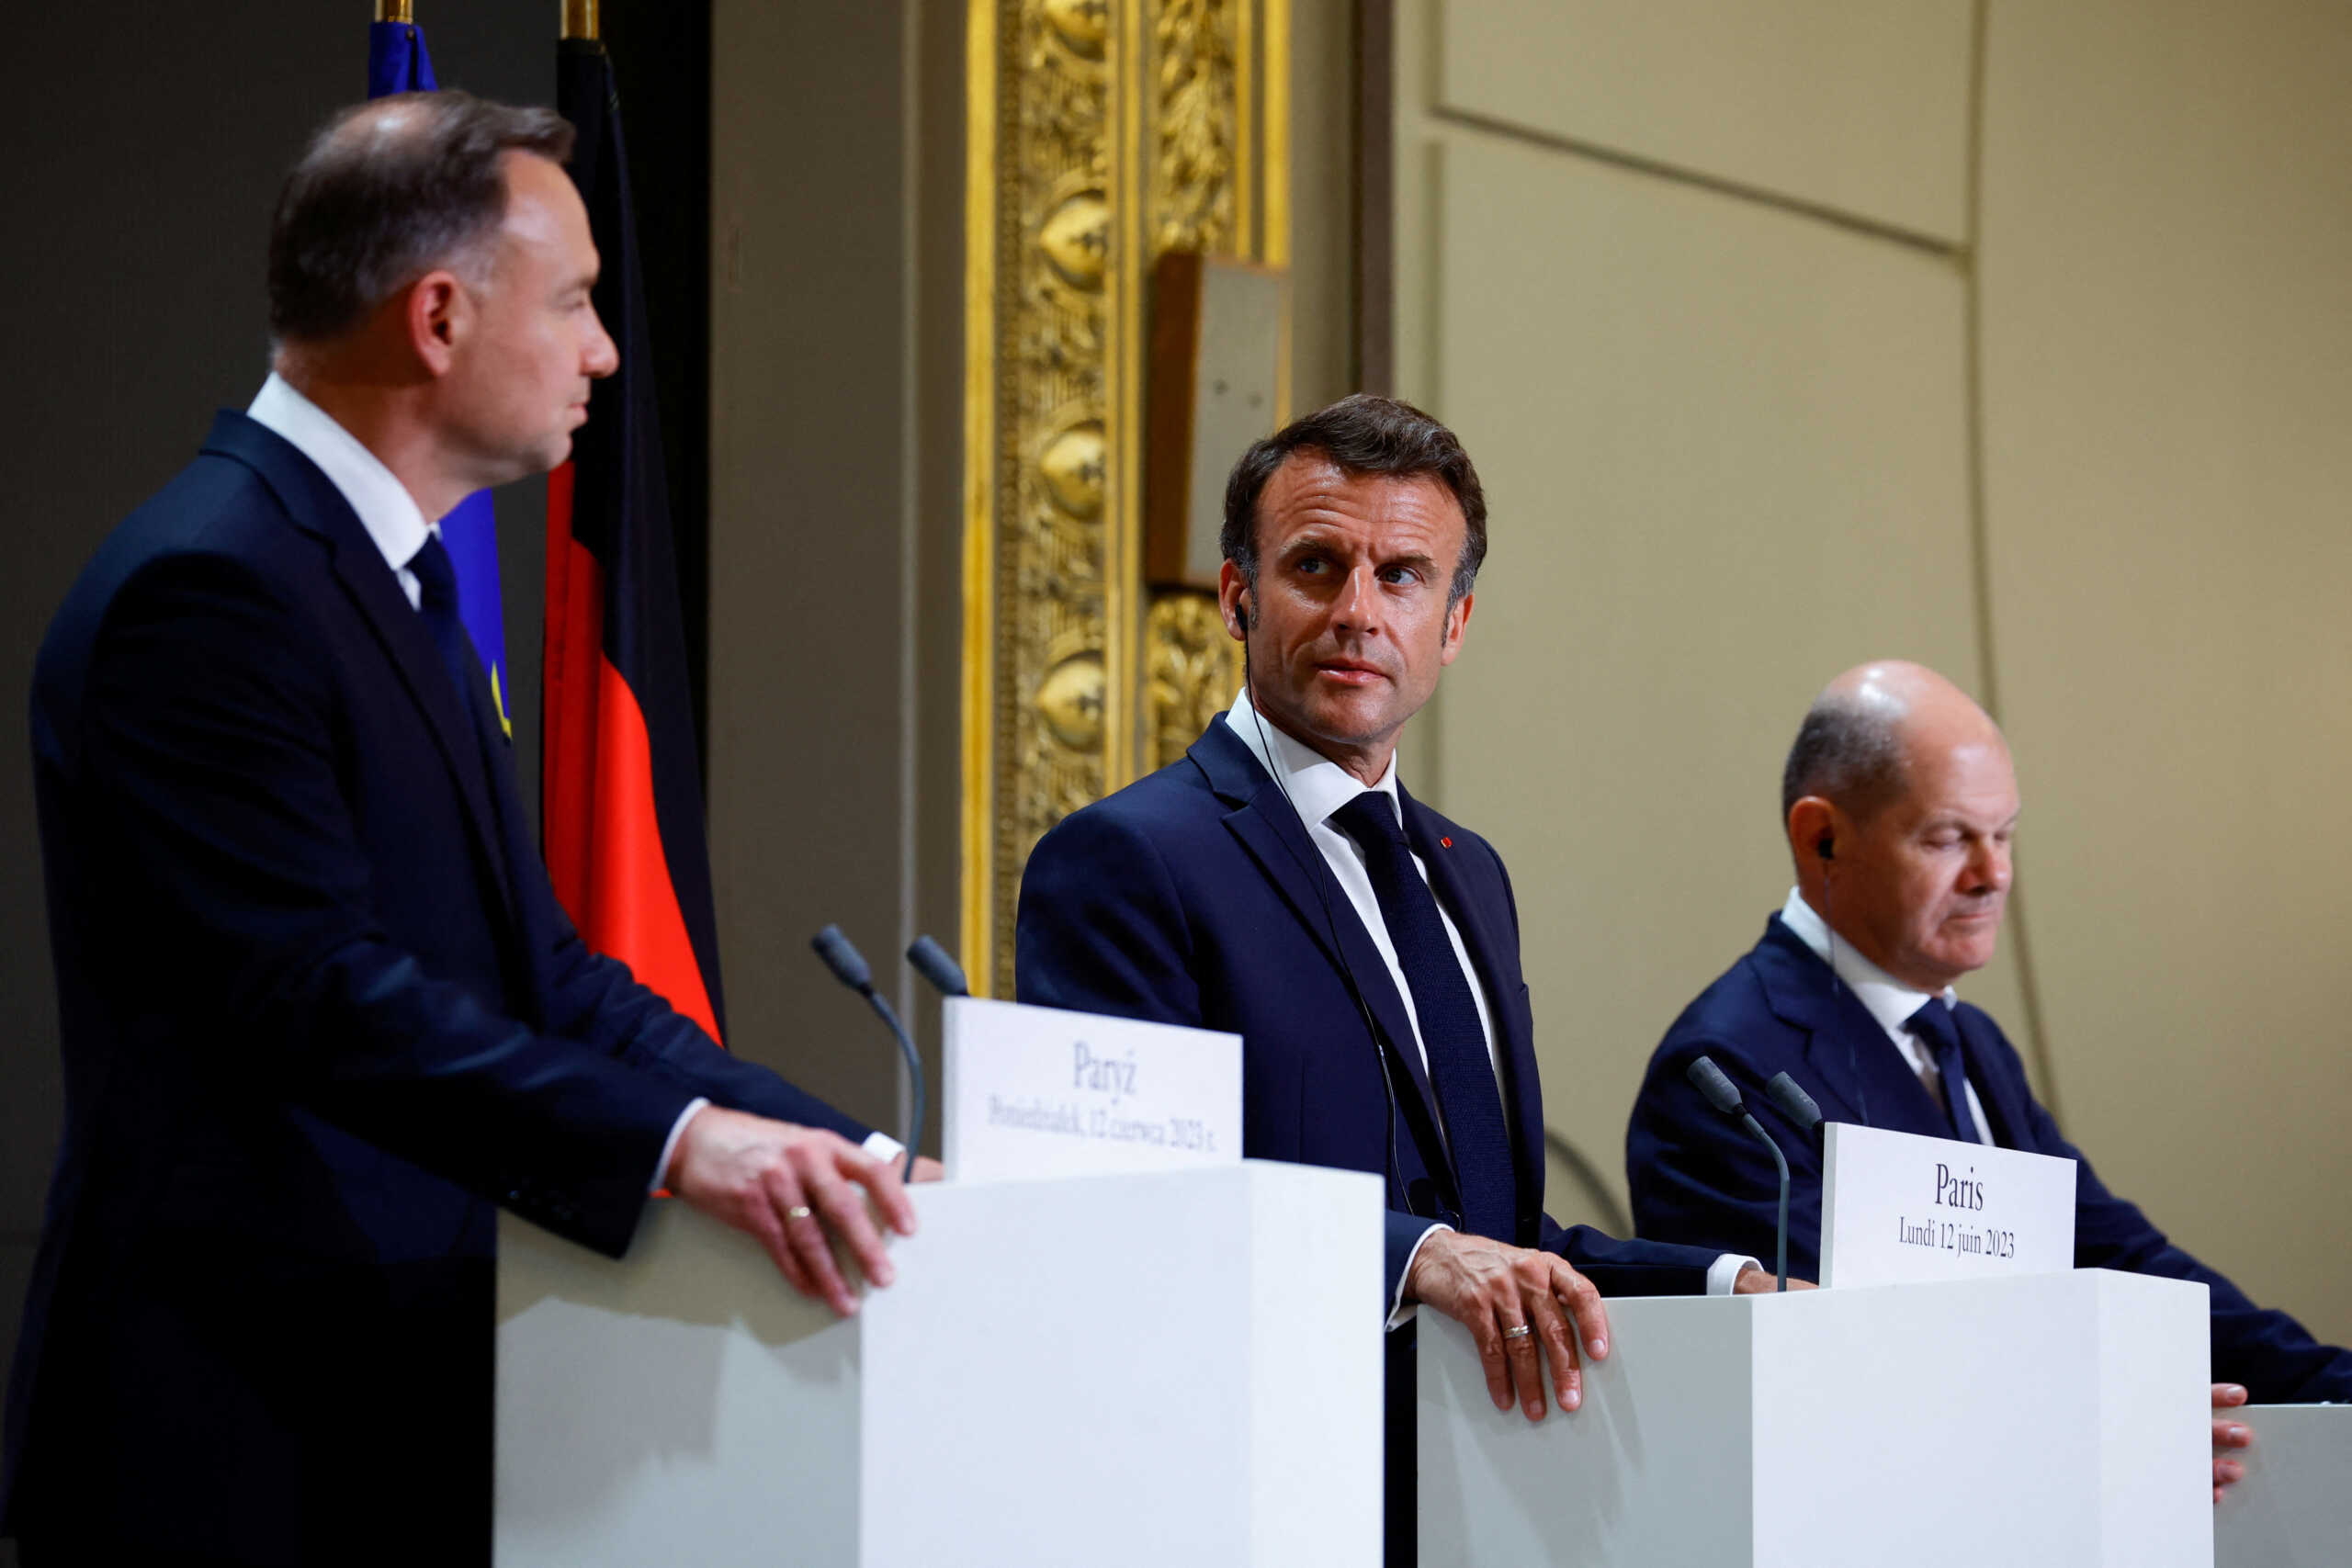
point(1701, 1179)
point(597, 1001)
point(2274, 1355)
point(209, 725)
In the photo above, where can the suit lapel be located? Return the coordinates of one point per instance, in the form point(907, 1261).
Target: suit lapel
point(1270, 829)
point(1855, 1070)
point(1996, 1092)
point(315, 506)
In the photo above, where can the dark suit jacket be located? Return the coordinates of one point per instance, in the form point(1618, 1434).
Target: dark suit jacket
point(1695, 1173)
point(321, 1013)
point(1196, 897)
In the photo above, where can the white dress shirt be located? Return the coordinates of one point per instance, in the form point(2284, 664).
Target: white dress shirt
point(1889, 1000)
point(398, 525)
point(1316, 787)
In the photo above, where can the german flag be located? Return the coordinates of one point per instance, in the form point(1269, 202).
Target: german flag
point(621, 793)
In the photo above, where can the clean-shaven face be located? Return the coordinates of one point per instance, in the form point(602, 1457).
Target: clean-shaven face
point(520, 386)
point(1350, 626)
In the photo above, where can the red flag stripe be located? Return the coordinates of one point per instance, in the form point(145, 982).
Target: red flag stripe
point(602, 833)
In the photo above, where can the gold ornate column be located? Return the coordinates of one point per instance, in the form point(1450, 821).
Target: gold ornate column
point(1102, 132)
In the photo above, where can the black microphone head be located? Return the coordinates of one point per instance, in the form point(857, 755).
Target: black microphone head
point(843, 958)
point(1711, 1083)
point(1794, 1103)
point(930, 962)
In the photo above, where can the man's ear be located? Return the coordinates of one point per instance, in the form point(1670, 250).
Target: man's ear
point(1233, 602)
point(1814, 833)
point(438, 313)
point(1457, 620)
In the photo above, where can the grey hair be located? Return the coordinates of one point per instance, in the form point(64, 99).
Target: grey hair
point(373, 206)
point(1848, 751)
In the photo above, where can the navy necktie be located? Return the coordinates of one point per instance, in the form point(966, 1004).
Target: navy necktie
point(437, 579)
point(1451, 1037)
point(1934, 1026)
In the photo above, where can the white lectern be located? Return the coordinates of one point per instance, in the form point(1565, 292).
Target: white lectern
point(2294, 1507)
point(1175, 1367)
point(2058, 1419)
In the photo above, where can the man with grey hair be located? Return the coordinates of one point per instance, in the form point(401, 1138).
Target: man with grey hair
point(1899, 802)
point(322, 1012)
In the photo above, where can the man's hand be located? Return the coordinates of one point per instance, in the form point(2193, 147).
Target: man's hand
point(1764, 1282)
point(795, 1189)
point(929, 1170)
point(1492, 1289)
point(2228, 1434)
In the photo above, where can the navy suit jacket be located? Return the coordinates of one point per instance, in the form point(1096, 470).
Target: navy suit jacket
point(1696, 1173)
point(321, 1013)
point(1196, 897)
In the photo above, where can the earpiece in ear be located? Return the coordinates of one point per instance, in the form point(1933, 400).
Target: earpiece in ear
point(1827, 846)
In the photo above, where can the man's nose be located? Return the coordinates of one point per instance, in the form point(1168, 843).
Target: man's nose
point(1989, 867)
point(1359, 603)
point(599, 356)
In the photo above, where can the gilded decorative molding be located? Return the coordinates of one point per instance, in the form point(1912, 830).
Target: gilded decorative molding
point(1101, 132)
point(1196, 126)
point(1192, 668)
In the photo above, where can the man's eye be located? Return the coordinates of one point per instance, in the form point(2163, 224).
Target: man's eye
point(1400, 574)
point(1311, 564)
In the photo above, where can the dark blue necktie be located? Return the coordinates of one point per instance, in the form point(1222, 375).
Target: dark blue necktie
point(1451, 1037)
point(1933, 1023)
point(437, 579)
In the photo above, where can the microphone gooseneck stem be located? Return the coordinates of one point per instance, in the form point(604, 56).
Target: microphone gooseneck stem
point(914, 1071)
point(1780, 1262)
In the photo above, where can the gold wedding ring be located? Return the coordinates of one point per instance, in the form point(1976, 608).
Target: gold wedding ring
point(798, 1211)
point(1521, 1332)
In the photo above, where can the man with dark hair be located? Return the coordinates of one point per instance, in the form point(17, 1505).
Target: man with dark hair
point(1899, 802)
point(1280, 884)
point(322, 1012)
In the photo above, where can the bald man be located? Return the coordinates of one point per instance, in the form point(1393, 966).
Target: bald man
point(1900, 805)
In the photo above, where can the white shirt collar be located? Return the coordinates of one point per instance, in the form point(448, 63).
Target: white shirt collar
point(383, 505)
point(1889, 1000)
point(1317, 785)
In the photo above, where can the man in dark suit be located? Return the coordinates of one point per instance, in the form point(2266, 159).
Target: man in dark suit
point(1280, 884)
point(1900, 802)
point(322, 1012)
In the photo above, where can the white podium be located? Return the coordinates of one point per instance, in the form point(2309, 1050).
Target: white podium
point(2059, 1419)
point(2294, 1507)
point(1176, 1367)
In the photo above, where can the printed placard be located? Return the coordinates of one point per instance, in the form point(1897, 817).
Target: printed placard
point(1897, 1208)
point(1033, 1091)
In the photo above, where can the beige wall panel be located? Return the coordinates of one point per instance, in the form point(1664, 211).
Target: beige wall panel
point(2167, 350)
point(1725, 450)
point(1859, 105)
point(1322, 203)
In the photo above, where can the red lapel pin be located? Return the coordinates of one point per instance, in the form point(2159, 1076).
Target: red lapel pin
point(1447, 842)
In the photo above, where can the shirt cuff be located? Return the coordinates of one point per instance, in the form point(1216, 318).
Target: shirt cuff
point(1400, 1311)
point(1723, 1272)
point(884, 1147)
point(669, 1144)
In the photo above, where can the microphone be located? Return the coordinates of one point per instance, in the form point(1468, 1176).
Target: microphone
point(930, 962)
point(849, 967)
point(1725, 1097)
point(1794, 1103)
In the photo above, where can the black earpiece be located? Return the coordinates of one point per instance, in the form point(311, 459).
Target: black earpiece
point(1827, 846)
